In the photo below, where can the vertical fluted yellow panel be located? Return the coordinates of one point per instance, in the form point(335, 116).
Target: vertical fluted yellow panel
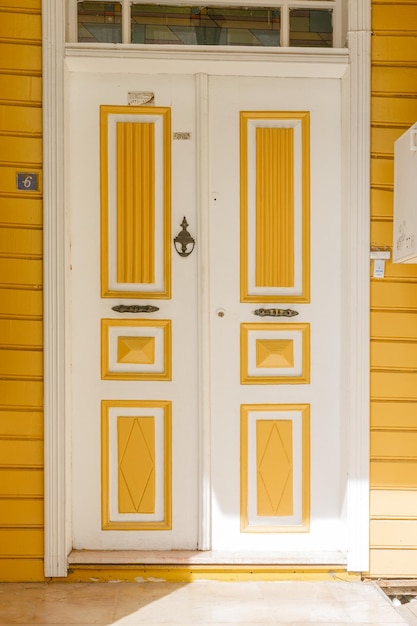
point(135, 202)
point(274, 207)
point(274, 465)
point(136, 464)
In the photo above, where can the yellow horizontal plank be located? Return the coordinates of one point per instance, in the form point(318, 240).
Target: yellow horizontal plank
point(394, 444)
point(21, 423)
point(393, 533)
point(21, 150)
point(16, 241)
point(17, 394)
point(20, 119)
point(395, 80)
point(21, 88)
point(381, 233)
point(382, 202)
point(393, 414)
point(406, 271)
point(23, 210)
point(389, 354)
point(393, 563)
point(390, 17)
point(382, 139)
point(395, 385)
point(33, 5)
point(393, 295)
point(21, 303)
point(21, 363)
point(382, 171)
point(393, 49)
point(8, 184)
point(21, 542)
point(22, 453)
point(23, 482)
point(21, 333)
point(393, 504)
point(20, 26)
point(392, 325)
point(21, 570)
point(394, 110)
point(20, 272)
point(23, 512)
point(394, 474)
point(20, 58)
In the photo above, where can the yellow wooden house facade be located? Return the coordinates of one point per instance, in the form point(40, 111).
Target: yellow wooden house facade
point(393, 299)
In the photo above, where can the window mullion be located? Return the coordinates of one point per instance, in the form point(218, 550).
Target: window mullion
point(285, 25)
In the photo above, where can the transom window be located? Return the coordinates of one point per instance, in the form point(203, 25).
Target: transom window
point(286, 23)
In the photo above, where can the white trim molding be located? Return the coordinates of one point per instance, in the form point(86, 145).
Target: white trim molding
point(356, 253)
point(54, 245)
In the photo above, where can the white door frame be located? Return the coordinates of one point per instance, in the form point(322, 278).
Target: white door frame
point(356, 84)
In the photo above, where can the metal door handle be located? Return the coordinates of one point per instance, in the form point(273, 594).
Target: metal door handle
point(275, 312)
point(135, 308)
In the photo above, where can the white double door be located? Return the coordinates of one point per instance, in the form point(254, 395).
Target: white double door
point(203, 424)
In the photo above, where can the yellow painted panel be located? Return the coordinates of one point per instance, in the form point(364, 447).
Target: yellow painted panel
point(135, 202)
point(274, 263)
point(389, 354)
point(393, 295)
point(381, 233)
point(274, 465)
point(394, 110)
point(22, 333)
point(394, 504)
point(32, 5)
point(8, 183)
point(21, 570)
point(401, 270)
point(391, 17)
point(21, 241)
point(382, 202)
point(395, 325)
point(396, 80)
point(382, 171)
point(20, 119)
point(21, 363)
point(274, 353)
point(390, 474)
point(21, 88)
point(21, 542)
point(23, 453)
point(20, 26)
point(21, 58)
point(21, 393)
point(21, 482)
point(21, 302)
point(393, 563)
point(393, 533)
point(394, 444)
point(23, 150)
point(393, 49)
point(20, 272)
point(393, 414)
point(136, 454)
point(15, 512)
point(139, 350)
point(21, 423)
point(382, 139)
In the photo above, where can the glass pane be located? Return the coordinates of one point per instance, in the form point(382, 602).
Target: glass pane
point(99, 22)
point(212, 26)
point(311, 27)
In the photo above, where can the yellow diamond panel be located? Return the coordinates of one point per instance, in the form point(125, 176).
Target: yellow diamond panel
point(274, 464)
point(136, 464)
point(274, 353)
point(138, 350)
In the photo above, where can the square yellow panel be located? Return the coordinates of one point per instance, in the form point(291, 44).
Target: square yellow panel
point(274, 353)
point(136, 349)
